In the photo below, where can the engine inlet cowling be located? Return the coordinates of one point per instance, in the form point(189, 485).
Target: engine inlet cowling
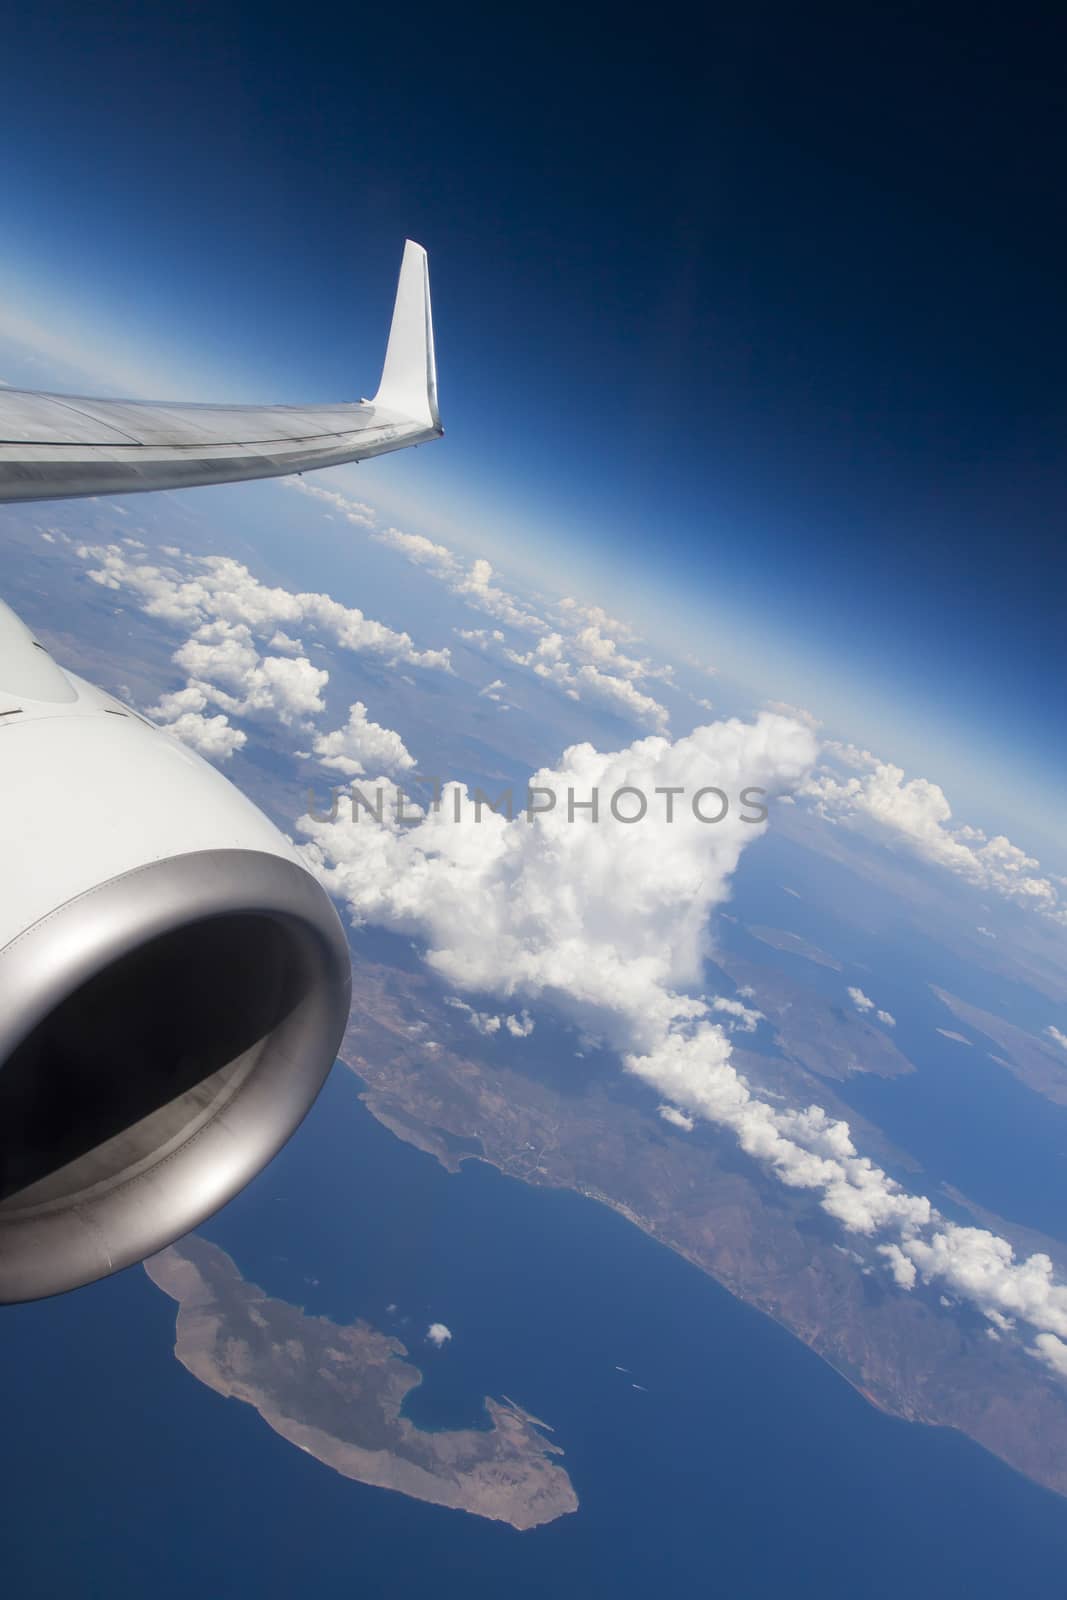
point(161, 1036)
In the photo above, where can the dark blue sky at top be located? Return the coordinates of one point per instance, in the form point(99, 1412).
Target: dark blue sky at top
point(762, 306)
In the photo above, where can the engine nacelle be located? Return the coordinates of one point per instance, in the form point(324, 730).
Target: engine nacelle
point(174, 984)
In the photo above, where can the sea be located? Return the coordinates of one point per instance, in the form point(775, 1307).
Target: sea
point(741, 1466)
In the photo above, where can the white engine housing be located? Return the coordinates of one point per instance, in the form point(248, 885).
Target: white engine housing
point(174, 984)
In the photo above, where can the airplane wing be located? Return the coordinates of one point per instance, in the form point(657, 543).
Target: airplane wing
point(55, 446)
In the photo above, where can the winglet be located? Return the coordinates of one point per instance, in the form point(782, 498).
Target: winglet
point(409, 377)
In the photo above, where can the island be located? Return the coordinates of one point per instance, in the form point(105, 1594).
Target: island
point(793, 944)
point(337, 1392)
point(831, 1041)
point(1037, 1063)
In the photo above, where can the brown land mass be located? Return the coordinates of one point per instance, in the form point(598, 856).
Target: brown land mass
point(695, 1193)
point(1038, 1063)
point(780, 939)
point(337, 1393)
point(832, 1041)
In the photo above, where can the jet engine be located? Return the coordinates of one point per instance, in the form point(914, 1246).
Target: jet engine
point(174, 984)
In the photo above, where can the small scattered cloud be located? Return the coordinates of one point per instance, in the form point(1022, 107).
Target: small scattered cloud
point(481, 638)
point(489, 1023)
point(800, 713)
point(353, 511)
point(580, 614)
point(552, 660)
point(866, 1006)
point(484, 1022)
point(438, 1335)
point(676, 1118)
point(738, 1017)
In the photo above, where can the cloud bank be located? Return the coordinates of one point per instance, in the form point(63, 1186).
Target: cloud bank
point(608, 923)
point(916, 813)
point(242, 655)
point(578, 648)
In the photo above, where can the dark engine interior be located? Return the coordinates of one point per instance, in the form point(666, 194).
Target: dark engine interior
point(142, 1052)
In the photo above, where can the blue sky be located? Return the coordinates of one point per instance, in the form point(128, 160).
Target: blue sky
point(753, 325)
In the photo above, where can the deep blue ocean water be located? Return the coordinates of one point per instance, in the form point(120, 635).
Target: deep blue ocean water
point(747, 1469)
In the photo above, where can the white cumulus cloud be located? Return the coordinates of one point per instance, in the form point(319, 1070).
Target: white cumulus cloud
point(916, 812)
point(582, 655)
point(552, 660)
point(241, 657)
point(220, 589)
point(609, 917)
point(362, 746)
point(222, 662)
point(181, 714)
